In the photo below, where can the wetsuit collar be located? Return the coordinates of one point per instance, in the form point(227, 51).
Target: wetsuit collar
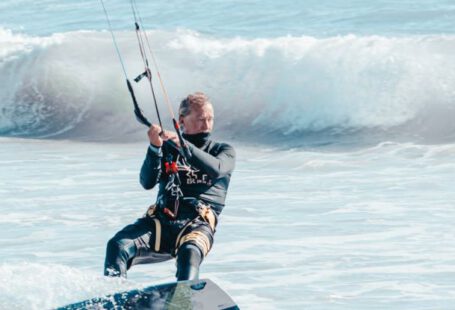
point(198, 139)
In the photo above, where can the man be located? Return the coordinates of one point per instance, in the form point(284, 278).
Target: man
point(191, 196)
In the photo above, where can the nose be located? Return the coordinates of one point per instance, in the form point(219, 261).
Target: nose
point(205, 125)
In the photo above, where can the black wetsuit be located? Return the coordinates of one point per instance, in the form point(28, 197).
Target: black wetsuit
point(204, 179)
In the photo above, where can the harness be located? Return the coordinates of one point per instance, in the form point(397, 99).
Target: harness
point(170, 205)
point(205, 213)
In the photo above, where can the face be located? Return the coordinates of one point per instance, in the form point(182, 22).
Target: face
point(199, 120)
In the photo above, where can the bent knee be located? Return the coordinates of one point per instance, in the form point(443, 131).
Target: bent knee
point(190, 248)
point(120, 244)
point(199, 239)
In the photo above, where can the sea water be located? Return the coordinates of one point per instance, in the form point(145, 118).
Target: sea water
point(341, 113)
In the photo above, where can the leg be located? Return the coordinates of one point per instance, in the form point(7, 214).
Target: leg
point(125, 246)
point(193, 247)
point(119, 253)
point(188, 260)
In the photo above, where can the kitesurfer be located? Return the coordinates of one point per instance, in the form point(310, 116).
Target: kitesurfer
point(191, 195)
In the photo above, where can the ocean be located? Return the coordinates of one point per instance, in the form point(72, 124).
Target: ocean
point(341, 113)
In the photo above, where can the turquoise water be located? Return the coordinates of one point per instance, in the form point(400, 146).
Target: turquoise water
point(240, 18)
point(341, 113)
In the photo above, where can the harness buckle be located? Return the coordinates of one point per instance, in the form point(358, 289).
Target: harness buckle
point(171, 167)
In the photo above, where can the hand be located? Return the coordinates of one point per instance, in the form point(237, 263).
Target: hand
point(170, 135)
point(154, 135)
point(157, 140)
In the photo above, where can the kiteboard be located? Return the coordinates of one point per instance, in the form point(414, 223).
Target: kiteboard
point(195, 294)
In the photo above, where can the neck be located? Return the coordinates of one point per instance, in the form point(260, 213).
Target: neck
point(198, 139)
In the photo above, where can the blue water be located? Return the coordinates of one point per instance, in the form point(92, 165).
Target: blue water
point(240, 18)
point(341, 113)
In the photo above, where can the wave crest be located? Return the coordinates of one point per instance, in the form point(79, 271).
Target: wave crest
point(56, 86)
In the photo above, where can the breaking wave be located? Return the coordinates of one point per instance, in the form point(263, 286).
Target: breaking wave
point(70, 85)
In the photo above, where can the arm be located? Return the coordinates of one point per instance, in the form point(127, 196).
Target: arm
point(216, 166)
point(151, 168)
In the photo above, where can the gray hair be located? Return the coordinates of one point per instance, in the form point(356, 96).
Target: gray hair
point(198, 99)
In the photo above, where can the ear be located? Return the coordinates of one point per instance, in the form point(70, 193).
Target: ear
point(181, 122)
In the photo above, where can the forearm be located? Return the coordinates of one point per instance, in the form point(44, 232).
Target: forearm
point(151, 169)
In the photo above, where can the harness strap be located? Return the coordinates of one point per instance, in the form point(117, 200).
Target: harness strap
point(199, 238)
point(207, 214)
point(177, 240)
point(157, 234)
point(151, 211)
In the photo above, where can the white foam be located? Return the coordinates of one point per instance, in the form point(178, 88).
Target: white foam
point(44, 286)
point(286, 85)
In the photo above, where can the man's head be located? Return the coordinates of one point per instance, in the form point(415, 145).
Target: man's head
point(196, 114)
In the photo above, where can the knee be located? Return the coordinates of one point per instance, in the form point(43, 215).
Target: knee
point(120, 246)
point(202, 239)
point(190, 254)
point(188, 260)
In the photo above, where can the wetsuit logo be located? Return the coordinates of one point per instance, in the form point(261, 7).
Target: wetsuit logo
point(194, 176)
